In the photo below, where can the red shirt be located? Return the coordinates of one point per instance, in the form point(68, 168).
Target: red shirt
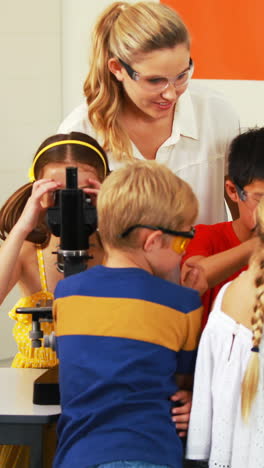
point(210, 240)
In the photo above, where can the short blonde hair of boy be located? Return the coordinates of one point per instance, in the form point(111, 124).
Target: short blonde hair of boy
point(143, 192)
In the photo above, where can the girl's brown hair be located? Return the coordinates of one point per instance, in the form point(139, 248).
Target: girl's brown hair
point(13, 207)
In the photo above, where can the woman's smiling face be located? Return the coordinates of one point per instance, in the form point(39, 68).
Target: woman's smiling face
point(168, 63)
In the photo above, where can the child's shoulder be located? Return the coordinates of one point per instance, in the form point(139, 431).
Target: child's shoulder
point(168, 294)
point(214, 229)
point(132, 283)
point(28, 251)
point(210, 239)
point(220, 234)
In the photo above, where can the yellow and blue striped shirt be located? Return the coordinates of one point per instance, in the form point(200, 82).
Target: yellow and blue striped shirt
point(131, 332)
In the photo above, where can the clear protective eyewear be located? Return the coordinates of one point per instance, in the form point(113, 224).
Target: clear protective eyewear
point(251, 198)
point(180, 241)
point(159, 83)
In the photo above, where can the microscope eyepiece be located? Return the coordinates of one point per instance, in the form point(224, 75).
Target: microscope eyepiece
point(71, 178)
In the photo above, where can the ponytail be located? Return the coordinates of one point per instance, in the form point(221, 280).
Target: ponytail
point(103, 91)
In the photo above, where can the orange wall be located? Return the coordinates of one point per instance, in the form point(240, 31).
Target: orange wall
point(227, 37)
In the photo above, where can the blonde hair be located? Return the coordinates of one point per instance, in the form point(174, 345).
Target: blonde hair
point(251, 377)
point(143, 192)
point(124, 31)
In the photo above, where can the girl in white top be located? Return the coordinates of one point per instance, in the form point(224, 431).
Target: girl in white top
point(139, 103)
point(227, 417)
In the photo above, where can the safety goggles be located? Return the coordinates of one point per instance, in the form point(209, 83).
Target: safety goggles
point(159, 83)
point(180, 241)
point(251, 198)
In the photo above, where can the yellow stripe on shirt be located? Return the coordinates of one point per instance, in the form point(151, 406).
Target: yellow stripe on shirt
point(127, 318)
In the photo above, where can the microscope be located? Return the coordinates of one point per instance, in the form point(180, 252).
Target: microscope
point(73, 218)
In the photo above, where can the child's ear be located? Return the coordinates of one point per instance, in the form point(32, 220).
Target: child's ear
point(231, 190)
point(153, 241)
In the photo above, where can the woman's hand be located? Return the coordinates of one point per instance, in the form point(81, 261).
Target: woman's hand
point(181, 413)
point(42, 197)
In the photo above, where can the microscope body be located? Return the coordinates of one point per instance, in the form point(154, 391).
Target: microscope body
point(73, 219)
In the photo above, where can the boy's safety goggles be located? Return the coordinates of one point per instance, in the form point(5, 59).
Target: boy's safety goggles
point(251, 198)
point(180, 241)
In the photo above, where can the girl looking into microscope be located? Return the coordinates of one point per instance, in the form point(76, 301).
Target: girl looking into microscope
point(28, 244)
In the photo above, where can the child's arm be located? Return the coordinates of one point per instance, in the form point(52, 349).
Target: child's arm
point(10, 260)
point(220, 266)
point(193, 276)
point(10, 251)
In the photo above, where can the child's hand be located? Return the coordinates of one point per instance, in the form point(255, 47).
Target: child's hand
point(193, 276)
point(92, 189)
point(41, 198)
point(181, 413)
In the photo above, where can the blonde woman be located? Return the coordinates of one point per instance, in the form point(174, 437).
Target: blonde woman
point(140, 102)
point(227, 417)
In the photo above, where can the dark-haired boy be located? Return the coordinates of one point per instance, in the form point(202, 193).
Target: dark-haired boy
point(224, 249)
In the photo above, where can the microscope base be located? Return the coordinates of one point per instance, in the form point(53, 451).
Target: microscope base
point(46, 388)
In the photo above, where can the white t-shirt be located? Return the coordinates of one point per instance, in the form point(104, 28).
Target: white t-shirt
point(203, 127)
point(216, 430)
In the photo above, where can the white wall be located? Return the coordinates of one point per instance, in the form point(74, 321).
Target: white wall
point(30, 96)
point(78, 18)
point(246, 96)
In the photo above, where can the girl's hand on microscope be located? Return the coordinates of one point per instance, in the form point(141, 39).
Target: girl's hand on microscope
point(41, 198)
point(92, 188)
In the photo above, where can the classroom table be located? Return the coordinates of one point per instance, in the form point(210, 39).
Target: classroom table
point(21, 421)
